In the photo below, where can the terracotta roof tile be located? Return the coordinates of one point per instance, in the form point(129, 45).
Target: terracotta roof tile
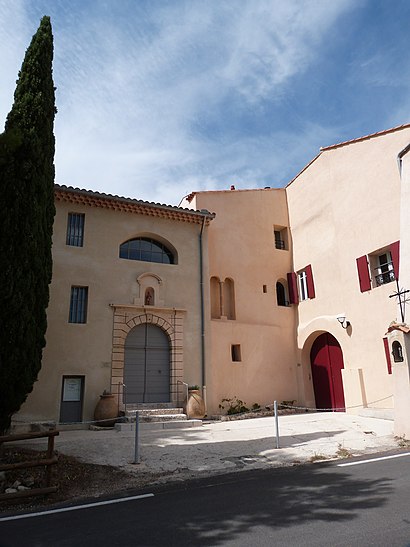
point(119, 203)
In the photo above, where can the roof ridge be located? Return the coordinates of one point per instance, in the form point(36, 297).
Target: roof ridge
point(365, 137)
point(102, 195)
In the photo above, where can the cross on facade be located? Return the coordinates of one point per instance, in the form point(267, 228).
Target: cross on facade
point(400, 294)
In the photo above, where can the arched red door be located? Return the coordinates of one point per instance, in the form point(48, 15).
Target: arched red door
point(326, 358)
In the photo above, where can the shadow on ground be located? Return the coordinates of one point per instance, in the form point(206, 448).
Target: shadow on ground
point(228, 511)
point(219, 512)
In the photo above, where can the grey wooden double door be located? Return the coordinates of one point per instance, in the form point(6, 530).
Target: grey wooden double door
point(147, 365)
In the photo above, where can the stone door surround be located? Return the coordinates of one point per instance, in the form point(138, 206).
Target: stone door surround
point(128, 316)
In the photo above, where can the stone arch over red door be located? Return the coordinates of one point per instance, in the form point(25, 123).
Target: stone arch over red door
point(326, 360)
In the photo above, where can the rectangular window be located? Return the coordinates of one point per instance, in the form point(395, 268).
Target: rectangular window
point(306, 286)
point(236, 352)
point(78, 305)
point(281, 237)
point(384, 271)
point(379, 267)
point(75, 229)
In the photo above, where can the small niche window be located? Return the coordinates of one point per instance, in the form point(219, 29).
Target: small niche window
point(146, 249)
point(397, 352)
point(264, 289)
point(236, 353)
point(281, 237)
point(149, 299)
point(75, 229)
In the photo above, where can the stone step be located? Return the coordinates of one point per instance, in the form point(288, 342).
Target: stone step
point(147, 426)
point(148, 406)
point(154, 411)
point(158, 417)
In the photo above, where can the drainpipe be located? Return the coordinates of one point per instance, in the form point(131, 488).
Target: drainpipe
point(201, 282)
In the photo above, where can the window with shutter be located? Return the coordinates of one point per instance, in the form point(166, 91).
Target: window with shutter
point(310, 284)
point(387, 353)
point(395, 256)
point(363, 272)
point(293, 288)
point(301, 285)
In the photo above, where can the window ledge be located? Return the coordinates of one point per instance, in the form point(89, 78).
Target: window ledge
point(146, 309)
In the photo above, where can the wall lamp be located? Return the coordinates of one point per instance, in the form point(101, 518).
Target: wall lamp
point(342, 320)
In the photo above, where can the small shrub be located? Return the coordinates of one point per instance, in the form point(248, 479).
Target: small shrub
point(255, 406)
point(234, 406)
point(343, 452)
point(318, 457)
point(402, 442)
point(286, 404)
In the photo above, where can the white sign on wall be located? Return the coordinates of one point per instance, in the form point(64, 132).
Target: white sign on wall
point(72, 389)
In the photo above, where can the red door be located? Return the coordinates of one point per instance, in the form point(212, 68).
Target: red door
point(326, 358)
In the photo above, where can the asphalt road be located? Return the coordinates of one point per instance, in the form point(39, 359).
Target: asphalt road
point(367, 504)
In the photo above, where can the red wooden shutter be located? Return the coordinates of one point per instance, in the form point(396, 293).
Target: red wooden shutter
point(363, 271)
point(387, 352)
point(309, 280)
point(293, 288)
point(395, 256)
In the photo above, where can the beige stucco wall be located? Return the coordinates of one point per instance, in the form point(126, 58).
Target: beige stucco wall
point(343, 206)
point(401, 371)
point(405, 223)
point(242, 247)
point(401, 383)
point(86, 349)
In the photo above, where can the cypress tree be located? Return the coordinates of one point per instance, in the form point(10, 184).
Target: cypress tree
point(26, 223)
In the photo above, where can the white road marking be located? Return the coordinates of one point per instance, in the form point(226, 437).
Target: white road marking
point(374, 459)
point(76, 507)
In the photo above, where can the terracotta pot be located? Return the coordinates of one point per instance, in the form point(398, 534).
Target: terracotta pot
point(106, 411)
point(195, 407)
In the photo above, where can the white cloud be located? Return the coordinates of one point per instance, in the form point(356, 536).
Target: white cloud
point(137, 89)
point(14, 39)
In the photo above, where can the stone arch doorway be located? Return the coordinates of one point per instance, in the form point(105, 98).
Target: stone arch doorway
point(326, 360)
point(147, 365)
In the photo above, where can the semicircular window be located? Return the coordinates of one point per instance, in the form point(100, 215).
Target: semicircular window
point(147, 249)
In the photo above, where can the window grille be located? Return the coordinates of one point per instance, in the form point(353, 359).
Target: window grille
point(146, 249)
point(78, 305)
point(75, 229)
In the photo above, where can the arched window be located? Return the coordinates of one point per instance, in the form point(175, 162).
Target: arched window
point(397, 352)
point(147, 249)
point(281, 294)
point(215, 298)
point(222, 298)
point(229, 298)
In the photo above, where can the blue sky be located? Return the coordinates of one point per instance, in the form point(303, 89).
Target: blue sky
point(159, 98)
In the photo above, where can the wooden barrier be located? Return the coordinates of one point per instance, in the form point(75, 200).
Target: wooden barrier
point(50, 460)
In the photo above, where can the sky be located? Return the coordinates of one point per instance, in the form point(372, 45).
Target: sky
point(160, 98)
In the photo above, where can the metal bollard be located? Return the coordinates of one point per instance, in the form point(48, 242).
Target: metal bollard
point(275, 407)
point(136, 452)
